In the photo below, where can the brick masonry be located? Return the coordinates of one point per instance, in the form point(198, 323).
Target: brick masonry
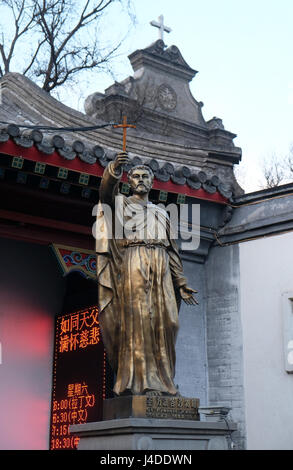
point(224, 335)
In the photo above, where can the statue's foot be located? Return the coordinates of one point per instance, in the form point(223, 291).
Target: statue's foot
point(125, 393)
point(157, 393)
point(153, 393)
point(178, 394)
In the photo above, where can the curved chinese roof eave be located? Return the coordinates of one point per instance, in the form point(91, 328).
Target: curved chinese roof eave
point(24, 103)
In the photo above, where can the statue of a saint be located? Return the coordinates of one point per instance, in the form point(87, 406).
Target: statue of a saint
point(140, 286)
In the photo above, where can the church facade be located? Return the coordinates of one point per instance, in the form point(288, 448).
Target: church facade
point(235, 348)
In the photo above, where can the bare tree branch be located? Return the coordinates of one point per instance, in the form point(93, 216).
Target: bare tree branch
point(23, 23)
point(58, 50)
point(289, 162)
point(34, 57)
point(278, 169)
point(273, 171)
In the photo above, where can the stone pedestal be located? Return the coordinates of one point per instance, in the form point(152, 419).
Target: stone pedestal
point(153, 434)
point(155, 423)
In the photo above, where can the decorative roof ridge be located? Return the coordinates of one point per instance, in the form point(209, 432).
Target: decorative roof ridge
point(24, 92)
point(22, 87)
point(266, 194)
point(171, 53)
point(164, 171)
point(158, 52)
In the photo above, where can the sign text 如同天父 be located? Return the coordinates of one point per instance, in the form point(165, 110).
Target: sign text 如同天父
point(82, 378)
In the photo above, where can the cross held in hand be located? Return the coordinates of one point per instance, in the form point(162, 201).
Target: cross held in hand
point(124, 126)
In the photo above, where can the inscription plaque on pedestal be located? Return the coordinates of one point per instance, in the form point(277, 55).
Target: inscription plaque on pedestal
point(172, 408)
point(142, 406)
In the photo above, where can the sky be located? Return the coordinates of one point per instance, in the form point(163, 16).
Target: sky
point(242, 50)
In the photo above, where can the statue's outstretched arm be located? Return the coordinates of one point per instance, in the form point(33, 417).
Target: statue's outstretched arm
point(179, 281)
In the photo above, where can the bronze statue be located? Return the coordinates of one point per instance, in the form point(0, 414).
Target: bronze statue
point(140, 286)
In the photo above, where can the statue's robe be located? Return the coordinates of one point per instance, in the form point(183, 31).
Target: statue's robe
point(138, 279)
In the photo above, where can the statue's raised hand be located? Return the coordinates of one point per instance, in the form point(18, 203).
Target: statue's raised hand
point(186, 295)
point(120, 160)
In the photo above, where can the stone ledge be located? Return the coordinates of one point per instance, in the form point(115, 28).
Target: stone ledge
point(141, 425)
point(153, 434)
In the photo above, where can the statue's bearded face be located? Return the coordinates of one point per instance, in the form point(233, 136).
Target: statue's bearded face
point(140, 181)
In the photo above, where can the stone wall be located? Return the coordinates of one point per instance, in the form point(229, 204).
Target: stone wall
point(191, 343)
point(224, 335)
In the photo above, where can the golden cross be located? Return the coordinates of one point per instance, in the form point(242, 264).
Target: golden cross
point(124, 127)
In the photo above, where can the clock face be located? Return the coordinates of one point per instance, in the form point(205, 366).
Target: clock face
point(167, 97)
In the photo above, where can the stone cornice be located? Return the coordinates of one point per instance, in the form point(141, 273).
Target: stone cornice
point(168, 60)
point(259, 214)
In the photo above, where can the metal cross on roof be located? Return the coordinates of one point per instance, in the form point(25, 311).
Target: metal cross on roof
point(161, 27)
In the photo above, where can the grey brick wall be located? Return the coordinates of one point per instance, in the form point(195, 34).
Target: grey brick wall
point(191, 361)
point(224, 335)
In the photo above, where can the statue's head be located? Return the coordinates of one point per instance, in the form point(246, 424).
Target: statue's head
point(140, 179)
